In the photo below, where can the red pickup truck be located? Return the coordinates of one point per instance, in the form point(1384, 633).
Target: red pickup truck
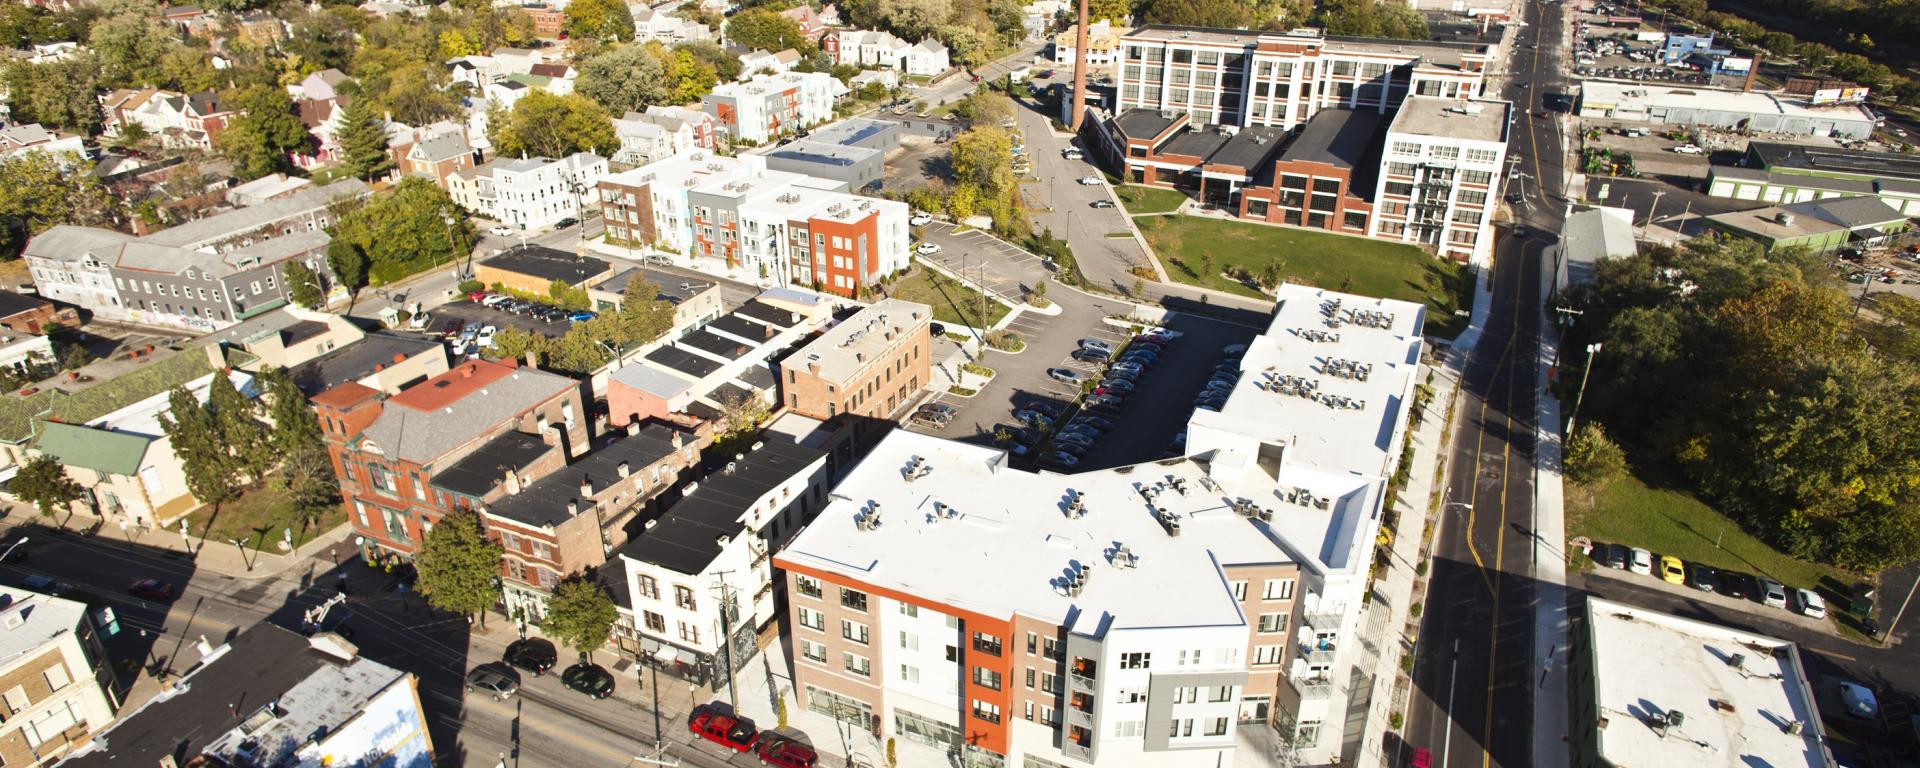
point(735, 733)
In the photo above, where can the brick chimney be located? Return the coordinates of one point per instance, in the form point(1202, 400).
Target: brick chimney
point(1079, 71)
point(513, 482)
point(1753, 71)
point(625, 470)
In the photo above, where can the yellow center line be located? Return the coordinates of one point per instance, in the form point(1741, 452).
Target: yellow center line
point(1500, 546)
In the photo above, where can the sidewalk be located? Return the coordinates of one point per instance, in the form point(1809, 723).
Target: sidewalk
point(1550, 623)
point(217, 556)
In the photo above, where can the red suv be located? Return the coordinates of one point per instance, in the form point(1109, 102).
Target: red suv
point(735, 733)
point(786, 753)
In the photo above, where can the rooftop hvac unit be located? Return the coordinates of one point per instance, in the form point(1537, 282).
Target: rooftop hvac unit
point(1784, 218)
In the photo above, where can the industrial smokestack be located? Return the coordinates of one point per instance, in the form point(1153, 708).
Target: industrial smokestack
point(1753, 71)
point(1080, 70)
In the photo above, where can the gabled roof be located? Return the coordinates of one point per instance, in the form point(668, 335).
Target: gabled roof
point(12, 303)
point(101, 450)
point(1851, 212)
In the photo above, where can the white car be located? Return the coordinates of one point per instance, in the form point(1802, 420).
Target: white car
point(920, 219)
point(1640, 561)
point(485, 339)
point(420, 321)
point(1810, 602)
point(1072, 153)
point(927, 249)
point(1089, 181)
point(1688, 149)
point(500, 231)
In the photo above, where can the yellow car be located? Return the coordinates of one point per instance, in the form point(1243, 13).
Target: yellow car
point(1674, 571)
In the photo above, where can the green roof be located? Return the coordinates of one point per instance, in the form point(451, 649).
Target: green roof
point(17, 413)
point(101, 450)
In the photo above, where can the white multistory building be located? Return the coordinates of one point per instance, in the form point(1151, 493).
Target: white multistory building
point(773, 105)
point(1440, 173)
point(1142, 615)
point(528, 193)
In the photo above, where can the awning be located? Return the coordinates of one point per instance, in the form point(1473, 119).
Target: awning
point(649, 646)
point(664, 655)
point(685, 658)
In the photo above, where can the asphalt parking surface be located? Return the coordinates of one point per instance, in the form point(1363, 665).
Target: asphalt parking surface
point(1008, 271)
point(470, 313)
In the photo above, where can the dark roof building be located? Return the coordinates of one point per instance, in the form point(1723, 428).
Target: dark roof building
point(534, 267)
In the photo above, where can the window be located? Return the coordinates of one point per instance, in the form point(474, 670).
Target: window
point(909, 641)
point(807, 585)
point(656, 622)
point(1180, 728)
point(1400, 169)
point(854, 599)
point(1136, 660)
point(986, 678)
point(986, 644)
point(1266, 654)
point(16, 698)
point(382, 481)
point(1186, 695)
point(57, 677)
point(1482, 156)
point(1217, 727)
point(649, 587)
point(1219, 694)
point(910, 610)
point(858, 664)
point(1050, 648)
point(1278, 589)
point(986, 711)
point(1240, 590)
point(1472, 197)
point(1353, 220)
point(813, 651)
point(1307, 734)
point(1273, 622)
point(1406, 149)
point(909, 674)
point(689, 632)
point(1133, 695)
point(683, 597)
point(1443, 152)
point(1128, 728)
point(1481, 178)
point(812, 619)
point(854, 631)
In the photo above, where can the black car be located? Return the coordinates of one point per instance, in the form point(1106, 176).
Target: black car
point(1701, 577)
point(1515, 198)
point(1737, 584)
point(566, 222)
point(1614, 556)
point(1089, 356)
point(589, 679)
point(533, 655)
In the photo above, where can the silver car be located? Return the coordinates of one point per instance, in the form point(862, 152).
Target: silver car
point(495, 678)
point(1773, 593)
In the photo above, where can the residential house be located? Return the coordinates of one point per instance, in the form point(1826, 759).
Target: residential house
point(1103, 45)
point(272, 186)
point(768, 106)
point(322, 350)
point(763, 63)
point(1589, 237)
point(388, 449)
point(26, 355)
point(702, 573)
point(661, 132)
point(652, 24)
point(865, 48)
point(47, 53)
point(530, 193)
point(888, 79)
point(20, 138)
point(1037, 18)
point(696, 302)
point(183, 121)
point(927, 58)
point(811, 25)
point(435, 151)
point(61, 690)
point(270, 696)
point(549, 21)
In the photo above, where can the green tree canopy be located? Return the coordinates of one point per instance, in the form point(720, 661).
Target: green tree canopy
point(766, 30)
point(212, 473)
point(1196, 13)
point(306, 471)
point(624, 78)
point(43, 482)
point(129, 38)
point(409, 227)
point(363, 140)
point(599, 20)
point(459, 566)
point(241, 433)
point(546, 125)
point(303, 285)
point(580, 615)
point(39, 190)
point(57, 94)
point(264, 138)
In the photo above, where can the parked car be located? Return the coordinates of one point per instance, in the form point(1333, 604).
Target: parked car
point(1688, 149)
point(1089, 181)
point(1090, 355)
point(735, 733)
point(1701, 577)
point(532, 654)
point(1737, 584)
point(939, 408)
point(1062, 459)
point(151, 589)
point(1858, 700)
point(1097, 344)
point(452, 328)
point(590, 679)
point(785, 753)
point(1612, 556)
point(927, 249)
point(931, 419)
point(920, 219)
point(1134, 368)
point(500, 231)
point(1810, 603)
point(1102, 203)
point(1093, 421)
point(1640, 561)
point(1515, 197)
point(1068, 376)
point(1673, 570)
point(566, 222)
point(1773, 593)
point(1029, 416)
point(495, 678)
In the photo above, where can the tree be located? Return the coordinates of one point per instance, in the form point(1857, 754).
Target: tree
point(264, 138)
point(725, 66)
point(580, 615)
point(968, 46)
point(546, 125)
point(690, 77)
point(211, 471)
point(241, 433)
point(916, 19)
point(43, 482)
point(349, 264)
point(39, 190)
point(983, 157)
point(742, 415)
point(1196, 13)
point(624, 78)
point(1592, 457)
point(57, 94)
point(599, 20)
point(306, 471)
point(1115, 11)
point(303, 285)
point(459, 566)
point(362, 136)
point(130, 39)
point(417, 94)
point(643, 316)
point(760, 28)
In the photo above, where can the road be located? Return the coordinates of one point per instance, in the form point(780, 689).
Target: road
point(546, 725)
point(1473, 673)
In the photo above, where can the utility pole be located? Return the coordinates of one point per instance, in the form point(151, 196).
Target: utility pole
point(1584, 373)
point(726, 629)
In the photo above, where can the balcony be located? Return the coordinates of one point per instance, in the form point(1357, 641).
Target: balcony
point(1312, 688)
point(1318, 655)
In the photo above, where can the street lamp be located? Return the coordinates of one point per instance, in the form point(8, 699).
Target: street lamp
point(1582, 395)
point(16, 545)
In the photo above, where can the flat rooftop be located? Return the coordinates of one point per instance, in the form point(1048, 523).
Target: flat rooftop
point(845, 349)
point(1766, 223)
point(479, 472)
point(43, 618)
point(548, 264)
point(685, 538)
point(1337, 137)
point(674, 288)
point(1616, 93)
point(823, 153)
point(1798, 157)
point(360, 359)
point(543, 502)
point(852, 130)
point(958, 525)
point(1479, 120)
point(1647, 663)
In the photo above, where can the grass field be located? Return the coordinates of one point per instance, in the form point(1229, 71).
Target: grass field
point(952, 302)
point(1673, 522)
point(1139, 199)
point(259, 518)
point(1353, 264)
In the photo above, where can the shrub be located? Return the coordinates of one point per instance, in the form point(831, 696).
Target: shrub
point(469, 286)
point(1005, 341)
point(1413, 611)
point(1592, 457)
point(1395, 720)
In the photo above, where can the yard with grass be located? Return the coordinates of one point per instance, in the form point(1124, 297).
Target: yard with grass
point(1670, 521)
point(1139, 199)
point(1186, 245)
point(952, 302)
point(260, 518)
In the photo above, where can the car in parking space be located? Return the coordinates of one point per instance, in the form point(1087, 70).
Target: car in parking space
point(500, 231)
point(1810, 603)
point(452, 328)
point(1061, 459)
point(1773, 593)
point(1858, 700)
point(532, 654)
point(939, 408)
point(590, 679)
point(1036, 418)
point(1101, 203)
point(1090, 355)
point(1124, 374)
point(1126, 367)
point(1105, 403)
point(932, 419)
point(1640, 561)
point(785, 753)
point(920, 219)
point(735, 733)
point(1701, 577)
point(421, 321)
point(1080, 439)
point(1114, 387)
point(1167, 334)
point(1093, 421)
point(1612, 556)
point(1688, 149)
point(1737, 584)
point(497, 679)
point(1043, 406)
point(580, 317)
point(1068, 376)
point(1089, 181)
point(1673, 570)
point(1096, 344)
point(1140, 356)
point(927, 249)
point(494, 299)
point(485, 338)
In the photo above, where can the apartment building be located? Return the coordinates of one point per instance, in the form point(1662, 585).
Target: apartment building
point(661, 132)
point(387, 449)
point(769, 106)
point(1440, 176)
point(321, 350)
point(870, 364)
point(651, 24)
point(529, 193)
point(852, 151)
point(702, 572)
point(202, 275)
point(696, 372)
point(54, 676)
point(434, 151)
point(556, 511)
point(1138, 615)
point(735, 213)
point(1325, 178)
point(270, 696)
point(178, 120)
point(769, 62)
point(1245, 78)
point(695, 301)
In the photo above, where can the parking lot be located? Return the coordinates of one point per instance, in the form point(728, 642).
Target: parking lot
point(1142, 427)
point(472, 314)
point(1006, 270)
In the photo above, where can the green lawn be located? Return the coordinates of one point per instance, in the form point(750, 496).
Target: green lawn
point(1673, 522)
point(1138, 199)
point(260, 518)
point(1354, 264)
point(952, 302)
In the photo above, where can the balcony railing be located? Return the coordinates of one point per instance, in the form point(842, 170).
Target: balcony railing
point(1311, 688)
point(1317, 656)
